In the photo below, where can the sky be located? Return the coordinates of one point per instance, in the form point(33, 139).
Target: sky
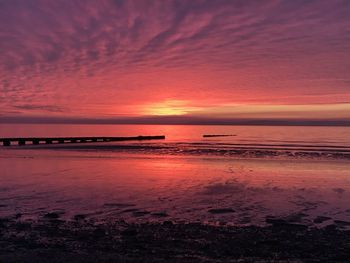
point(174, 59)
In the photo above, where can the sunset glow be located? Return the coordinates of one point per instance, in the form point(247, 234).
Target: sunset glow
point(120, 59)
point(169, 108)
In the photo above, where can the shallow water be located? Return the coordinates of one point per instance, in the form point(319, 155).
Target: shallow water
point(150, 187)
point(299, 173)
point(271, 135)
point(248, 141)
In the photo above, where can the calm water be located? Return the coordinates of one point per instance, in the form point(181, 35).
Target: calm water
point(339, 136)
point(177, 179)
point(248, 141)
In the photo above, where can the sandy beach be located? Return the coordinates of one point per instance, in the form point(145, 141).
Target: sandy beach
point(179, 207)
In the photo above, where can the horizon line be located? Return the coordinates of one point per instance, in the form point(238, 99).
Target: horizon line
point(176, 120)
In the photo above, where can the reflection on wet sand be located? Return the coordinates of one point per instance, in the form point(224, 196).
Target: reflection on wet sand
point(152, 188)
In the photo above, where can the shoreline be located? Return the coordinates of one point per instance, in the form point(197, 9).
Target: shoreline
point(171, 149)
point(233, 186)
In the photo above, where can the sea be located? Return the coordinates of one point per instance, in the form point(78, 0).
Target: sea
point(299, 173)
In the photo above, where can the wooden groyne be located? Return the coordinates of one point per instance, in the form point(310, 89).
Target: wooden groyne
point(218, 135)
point(51, 140)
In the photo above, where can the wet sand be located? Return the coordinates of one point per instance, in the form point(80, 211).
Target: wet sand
point(127, 207)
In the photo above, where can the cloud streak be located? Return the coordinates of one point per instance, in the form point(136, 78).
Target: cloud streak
point(47, 108)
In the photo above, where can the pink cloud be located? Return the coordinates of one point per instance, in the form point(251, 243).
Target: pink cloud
point(100, 58)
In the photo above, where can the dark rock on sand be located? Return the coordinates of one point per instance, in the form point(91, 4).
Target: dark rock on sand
point(79, 217)
point(98, 233)
point(18, 215)
point(129, 210)
point(168, 223)
point(119, 205)
point(342, 223)
point(140, 213)
point(295, 218)
point(339, 190)
point(332, 227)
point(221, 210)
point(3, 222)
point(52, 215)
point(160, 214)
point(321, 219)
point(23, 226)
point(277, 222)
point(129, 232)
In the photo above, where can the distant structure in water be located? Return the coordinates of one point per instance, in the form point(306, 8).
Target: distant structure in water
point(218, 135)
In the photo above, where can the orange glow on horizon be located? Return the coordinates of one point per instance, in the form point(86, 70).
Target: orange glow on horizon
point(169, 108)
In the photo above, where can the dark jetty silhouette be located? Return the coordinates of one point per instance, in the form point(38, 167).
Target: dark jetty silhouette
point(51, 140)
point(218, 135)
